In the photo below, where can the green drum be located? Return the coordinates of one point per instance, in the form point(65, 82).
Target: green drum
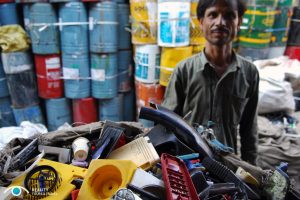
point(254, 39)
point(259, 17)
point(280, 28)
point(256, 26)
point(285, 3)
point(272, 3)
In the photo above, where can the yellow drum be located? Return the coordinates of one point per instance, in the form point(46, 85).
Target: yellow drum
point(170, 57)
point(196, 35)
point(144, 21)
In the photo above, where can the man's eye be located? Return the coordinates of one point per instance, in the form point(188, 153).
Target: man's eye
point(230, 16)
point(213, 15)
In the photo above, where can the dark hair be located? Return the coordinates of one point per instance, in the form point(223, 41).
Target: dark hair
point(204, 4)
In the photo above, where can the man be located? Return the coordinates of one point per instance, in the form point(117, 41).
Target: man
point(217, 84)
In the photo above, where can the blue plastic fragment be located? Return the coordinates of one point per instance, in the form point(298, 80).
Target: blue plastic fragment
point(189, 156)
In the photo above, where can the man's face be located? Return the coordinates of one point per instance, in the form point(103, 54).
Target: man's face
point(220, 23)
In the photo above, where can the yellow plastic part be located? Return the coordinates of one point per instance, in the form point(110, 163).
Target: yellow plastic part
point(66, 172)
point(170, 57)
point(139, 151)
point(105, 177)
point(246, 176)
point(144, 21)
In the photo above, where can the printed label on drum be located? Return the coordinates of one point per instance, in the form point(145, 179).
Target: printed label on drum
point(98, 74)
point(174, 23)
point(147, 61)
point(53, 68)
point(70, 73)
point(52, 63)
point(142, 64)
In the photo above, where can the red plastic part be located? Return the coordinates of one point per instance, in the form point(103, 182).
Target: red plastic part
point(74, 194)
point(31, 1)
point(178, 183)
point(293, 52)
point(7, 1)
point(48, 71)
point(121, 141)
point(195, 161)
point(84, 111)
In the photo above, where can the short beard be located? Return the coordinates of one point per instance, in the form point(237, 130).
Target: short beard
point(220, 43)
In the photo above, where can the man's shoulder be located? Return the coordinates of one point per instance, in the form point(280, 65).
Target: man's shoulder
point(190, 62)
point(246, 64)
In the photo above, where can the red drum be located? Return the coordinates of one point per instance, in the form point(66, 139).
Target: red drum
point(293, 52)
point(48, 72)
point(84, 111)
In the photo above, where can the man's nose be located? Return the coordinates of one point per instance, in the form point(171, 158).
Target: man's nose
point(220, 20)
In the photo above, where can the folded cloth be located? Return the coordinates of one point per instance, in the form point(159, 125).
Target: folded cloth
point(13, 38)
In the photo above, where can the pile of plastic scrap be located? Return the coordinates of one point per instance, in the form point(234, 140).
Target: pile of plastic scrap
point(109, 160)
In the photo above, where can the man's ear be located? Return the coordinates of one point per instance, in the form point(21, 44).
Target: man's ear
point(201, 23)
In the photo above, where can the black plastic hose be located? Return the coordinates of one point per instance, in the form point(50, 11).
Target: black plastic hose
point(181, 129)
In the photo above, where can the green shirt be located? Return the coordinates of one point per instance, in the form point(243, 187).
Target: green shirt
point(229, 101)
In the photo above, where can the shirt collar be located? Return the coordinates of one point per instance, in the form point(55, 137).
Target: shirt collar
point(235, 64)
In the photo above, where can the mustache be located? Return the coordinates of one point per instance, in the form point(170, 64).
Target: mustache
point(220, 29)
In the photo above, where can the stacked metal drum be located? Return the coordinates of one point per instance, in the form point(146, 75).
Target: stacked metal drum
point(82, 70)
point(18, 72)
